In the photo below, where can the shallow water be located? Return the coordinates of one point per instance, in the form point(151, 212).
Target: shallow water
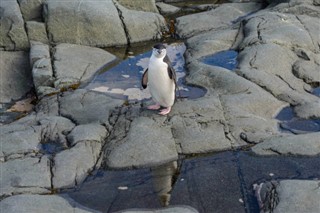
point(226, 59)
point(123, 78)
point(222, 182)
point(289, 122)
point(316, 91)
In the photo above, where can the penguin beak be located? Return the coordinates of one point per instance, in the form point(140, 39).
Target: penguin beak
point(159, 51)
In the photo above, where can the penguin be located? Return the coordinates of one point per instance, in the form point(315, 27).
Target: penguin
point(161, 79)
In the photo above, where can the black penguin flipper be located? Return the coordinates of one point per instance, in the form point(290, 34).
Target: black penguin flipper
point(171, 72)
point(144, 80)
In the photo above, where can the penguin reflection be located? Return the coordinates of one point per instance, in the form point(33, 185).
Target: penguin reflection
point(163, 179)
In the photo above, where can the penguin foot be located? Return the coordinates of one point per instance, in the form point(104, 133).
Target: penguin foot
point(165, 111)
point(154, 107)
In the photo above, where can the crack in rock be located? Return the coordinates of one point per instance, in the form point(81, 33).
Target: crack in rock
point(122, 21)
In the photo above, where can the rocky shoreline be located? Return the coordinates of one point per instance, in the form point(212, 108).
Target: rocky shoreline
point(53, 47)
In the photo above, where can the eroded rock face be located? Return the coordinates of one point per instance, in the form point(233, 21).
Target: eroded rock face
point(16, 79)
point(40, 60)
point(142, 26)
point(26, 204)
point(31, 9)
point(141, 5)
point(278, 63)
point(90, 23)
point(289, 195)
point(81, 106)
point(148, 142)
point(305, 144)
point(12, 32)
point(29, 175)
point(73, 165)
point(37, 32)
point(218, 18)
point(75, 64)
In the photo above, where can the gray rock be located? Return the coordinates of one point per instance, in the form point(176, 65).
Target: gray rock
point(147, 143)
point(305, 144)
point(167, 8)
point(72, 166)
point(308, 110)
point(41, 64)
point(66, 83)
point(51, 204)
point(298, 8)
point(48, 106)
point(199, 135)
point(29, 175)
point(12, 33)
point(54, 129)
point(298, 196)
point(311, 25)
point(218, 18)
point(208, 107)
point(43, 91)
point(246, 107)
point(216, 79)
point(42, 73)
point(316, 2)
point(292, 196)
point(29, 120)
point(37, 31)
point(92, 23)
point(19, 139)
point(31, 9)
point(171, 209)
point(270, 66)
point(78, 62)
point(281, 29)
point(251, 113)
point(16, 78)
point(141, 5)
point(84, 107)
point(142, 26)
point(38, 51)
point(87, 132)
point(307, 70)
point(211, 42)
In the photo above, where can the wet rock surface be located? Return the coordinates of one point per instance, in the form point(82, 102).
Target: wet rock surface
point(104, 153)
point(299, 196)
point(223, 182)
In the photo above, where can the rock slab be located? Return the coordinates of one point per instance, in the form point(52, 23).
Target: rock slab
point(12, 33)
point(16, 78)
point(49, 203)
point(75, 64)
point(146, 143)
point(92, 23)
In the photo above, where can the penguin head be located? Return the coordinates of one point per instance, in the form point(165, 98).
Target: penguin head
point(159, 51)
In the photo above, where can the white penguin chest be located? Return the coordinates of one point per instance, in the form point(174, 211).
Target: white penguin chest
point(162, 88)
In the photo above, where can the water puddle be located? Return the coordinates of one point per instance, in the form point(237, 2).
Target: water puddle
point(290, 123)
point(123, 79)
point(316, 91)
point(226, 59)
point(52, 148)
point(207, 183)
